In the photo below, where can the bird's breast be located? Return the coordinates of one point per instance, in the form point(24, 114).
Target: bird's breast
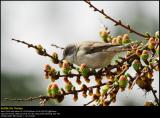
point(95, 60)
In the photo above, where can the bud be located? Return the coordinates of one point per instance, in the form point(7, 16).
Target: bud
point(156, 68)
point(98, 79)
point(60, 98)
point(156, 34)
point(75, 97)
point(149, 75)
point(90, 91)
point(136, 64)
point(144, 83)
point(151, 43)
point(109, 39)
point(84, 94)
point(145, 56)
point(125, 36)
point(47, 70)
point(113, 96)
point(104, 34)
point(114, 41)
point(138, 52)
point(84, 87)
point(53, 74)
point(114, 99)
point(63, 91)
point(95, 97)
point(66, 80)
point(68, 87)
point(47, 67)
point(106, 103)
point(119, 39)
point(66, 67)
point(123, 81)
point(98, 93)
point(87, 79)
point(60, 64)
point(55, 58)
point(40, 50)
point(105, 89)
point(84, 70)
point(53, 89)
point(78, 81)
point(125, 39)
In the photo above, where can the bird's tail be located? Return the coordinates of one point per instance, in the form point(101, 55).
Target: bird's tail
point(125, 47)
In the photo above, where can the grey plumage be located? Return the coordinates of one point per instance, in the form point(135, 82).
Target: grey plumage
point(93, 53)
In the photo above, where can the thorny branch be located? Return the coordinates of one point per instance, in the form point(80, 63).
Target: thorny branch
point(57, 46)
point(33, 46)
point(115, 21)
point(154, 94)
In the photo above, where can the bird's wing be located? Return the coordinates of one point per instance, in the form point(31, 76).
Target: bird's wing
point(92, 46)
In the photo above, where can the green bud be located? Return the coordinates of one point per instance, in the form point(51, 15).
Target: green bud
point(151, 43)
point(114, 40)
point(68, 87)
point(104, 35)
point(40, 50)
point(53, 89)
point(84, 70)
point(105, 89)
point(123, 81)
point(156, 34)
point(136, 65)
point(109, 39)
point(145, 56)
point(55, 58)
point(119, 39)
point(66, 69)
point(125, 39)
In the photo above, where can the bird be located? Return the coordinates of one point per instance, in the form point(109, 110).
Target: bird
point(95, 54)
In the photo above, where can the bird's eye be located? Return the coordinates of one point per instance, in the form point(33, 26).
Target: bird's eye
point(69, 50)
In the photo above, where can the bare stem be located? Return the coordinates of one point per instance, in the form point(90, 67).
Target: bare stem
point(57, 46)
point(154, 94)
point(115, 21)
point(32, 46)
point(89, 103)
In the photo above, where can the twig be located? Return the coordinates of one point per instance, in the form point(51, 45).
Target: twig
point(115, 21)
point(57, 46)
point(53, 97)
point(89, 103)
point(33, 46)
point(154, 94)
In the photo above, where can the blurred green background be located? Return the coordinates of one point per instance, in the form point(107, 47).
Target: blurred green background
point(61, 23)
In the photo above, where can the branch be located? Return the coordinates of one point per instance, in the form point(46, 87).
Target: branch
point(115, 21)
point(57, 46)
point(54, 97)
point(33, 46)
point(88, 103)
point(154, 94)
